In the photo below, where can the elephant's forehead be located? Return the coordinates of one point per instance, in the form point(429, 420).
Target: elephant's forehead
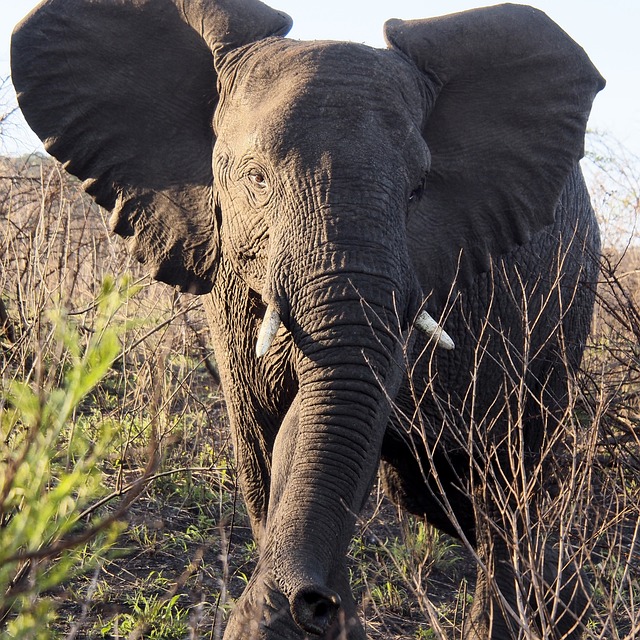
point(283, 86)
point(307, 64)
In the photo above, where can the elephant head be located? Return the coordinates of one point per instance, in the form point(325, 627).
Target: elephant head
point(342, 185)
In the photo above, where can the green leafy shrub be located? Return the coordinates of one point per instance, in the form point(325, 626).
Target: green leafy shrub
point(51, 473)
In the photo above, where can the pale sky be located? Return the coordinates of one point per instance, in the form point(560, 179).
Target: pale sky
point(608, 31)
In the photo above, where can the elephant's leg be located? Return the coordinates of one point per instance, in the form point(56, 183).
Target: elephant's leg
point(496, 612)
point(430, 485)
point(566, 599)
point(504, 592)
point(257, 392)
point(563, 597)
point(525, 592)
point(523, 583)
point(262, 604)
point(253, 432)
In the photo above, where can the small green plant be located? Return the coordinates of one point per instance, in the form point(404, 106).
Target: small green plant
point(425, 633)
point(390, 595)
point(50, 474)
point(151, 617)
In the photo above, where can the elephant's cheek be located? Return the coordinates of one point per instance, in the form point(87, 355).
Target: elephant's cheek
point(245, 242)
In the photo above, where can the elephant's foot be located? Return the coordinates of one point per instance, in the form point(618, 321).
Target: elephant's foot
point(260, 613)
point(567, 607)
point(485, 620)
point(531, 606)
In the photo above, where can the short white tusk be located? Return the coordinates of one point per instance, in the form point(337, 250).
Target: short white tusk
point(268, 330)
point(428, 325)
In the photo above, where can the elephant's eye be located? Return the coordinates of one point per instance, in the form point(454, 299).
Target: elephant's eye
point(416, 194)
point(257, 179)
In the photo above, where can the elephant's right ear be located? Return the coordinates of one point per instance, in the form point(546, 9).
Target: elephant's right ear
point(123, 93)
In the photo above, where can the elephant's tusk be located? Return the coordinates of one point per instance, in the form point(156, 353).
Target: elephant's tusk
point(428, 325)
point(268, 330)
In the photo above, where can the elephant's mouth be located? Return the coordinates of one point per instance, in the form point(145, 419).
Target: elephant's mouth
point(424, 322)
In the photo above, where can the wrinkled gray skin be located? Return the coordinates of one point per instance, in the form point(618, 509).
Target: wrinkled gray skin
point(349, 188)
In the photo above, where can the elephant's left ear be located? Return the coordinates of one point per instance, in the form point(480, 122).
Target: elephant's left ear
point(511, 94)
point(123, 93)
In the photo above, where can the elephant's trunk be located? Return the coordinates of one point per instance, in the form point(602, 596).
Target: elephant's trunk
point(348, 345)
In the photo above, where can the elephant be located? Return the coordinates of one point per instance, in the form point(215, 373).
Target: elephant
point(396, 252)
